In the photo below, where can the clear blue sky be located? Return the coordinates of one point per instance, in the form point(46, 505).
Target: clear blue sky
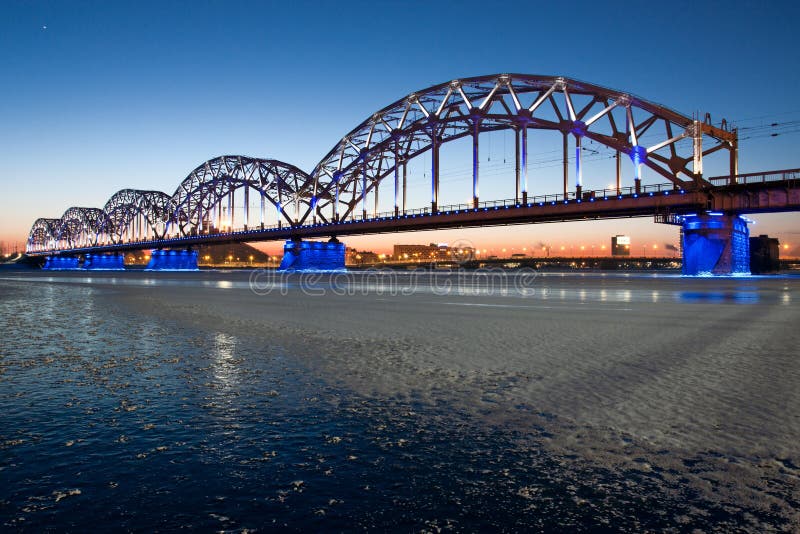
point(98, 96)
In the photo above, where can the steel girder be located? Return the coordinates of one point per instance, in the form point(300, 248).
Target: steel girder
point(426, 119)
point(43, 234)
point(81, 226)
point(281, 184)
point(156, 209)
point(411, 126)
point(284, 186)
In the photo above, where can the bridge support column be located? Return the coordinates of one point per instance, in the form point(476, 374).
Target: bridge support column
point(104, 262)
point(61, 263)
point(524, 162)
point(405, 179)
point(517, 176)
point(565, 162)
point(476, 130)
point(396, 178)
point(364, 190)
point(172, 260)
point(578, 166)
point(299, 255)
point(434, 169)
point(715, 244)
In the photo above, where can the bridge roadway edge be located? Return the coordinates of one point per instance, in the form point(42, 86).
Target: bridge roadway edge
point(626, 207)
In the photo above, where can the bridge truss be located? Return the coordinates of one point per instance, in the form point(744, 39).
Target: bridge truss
point(377, 152)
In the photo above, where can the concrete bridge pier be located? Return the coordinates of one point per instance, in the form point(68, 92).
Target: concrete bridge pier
point(61, 263)
point(104, 262)
point(715, 244)
point(299, 255)
point(172, 260)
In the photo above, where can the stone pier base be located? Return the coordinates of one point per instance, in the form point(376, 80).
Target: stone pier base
point(61, 263)
point(715, 245)
point(313, 256)
point(172, 260)
point(104, 262)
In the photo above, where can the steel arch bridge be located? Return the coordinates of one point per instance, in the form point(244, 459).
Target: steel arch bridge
point(280, 200)
point(382, 145)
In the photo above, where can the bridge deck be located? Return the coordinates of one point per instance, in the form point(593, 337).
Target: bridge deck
point(756, 193)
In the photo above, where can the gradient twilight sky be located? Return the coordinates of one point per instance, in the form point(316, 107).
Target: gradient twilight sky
point(99, 96)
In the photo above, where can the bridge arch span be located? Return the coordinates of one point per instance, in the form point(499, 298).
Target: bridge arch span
point(421, 122)
point(133, 213)
point(43, 234)
point(215, 198)
point(81, 227)
point(205, 199)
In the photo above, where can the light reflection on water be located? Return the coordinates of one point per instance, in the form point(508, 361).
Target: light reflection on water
point(226, 370)
point(582, 287)
point(718, 297)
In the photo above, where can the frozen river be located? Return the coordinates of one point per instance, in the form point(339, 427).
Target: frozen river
point(466, 401)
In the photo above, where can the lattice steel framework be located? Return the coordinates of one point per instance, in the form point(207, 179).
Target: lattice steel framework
point(380, 148)
point(135, 214)
point(200, 199)
point(81, 227)
point(43, 234)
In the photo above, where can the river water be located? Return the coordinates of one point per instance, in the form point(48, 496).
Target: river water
point(122, 408)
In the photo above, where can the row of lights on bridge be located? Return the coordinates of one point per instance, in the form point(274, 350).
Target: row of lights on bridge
point(373, 219)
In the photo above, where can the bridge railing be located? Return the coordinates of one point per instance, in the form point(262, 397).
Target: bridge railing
point(758, 177)
point(556, 198)
point(552, 199)
point(178, 235)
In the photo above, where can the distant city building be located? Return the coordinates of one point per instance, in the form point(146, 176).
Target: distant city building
point(361, 257)
point(432, 252)
point(414, 252)
point(230, 255)
point(621, 245)
point(234, 255)
point(764, 255)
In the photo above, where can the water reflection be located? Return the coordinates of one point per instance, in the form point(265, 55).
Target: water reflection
point(574, 287)
point(739, 297)
point(221, 445)
point(224, 365)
